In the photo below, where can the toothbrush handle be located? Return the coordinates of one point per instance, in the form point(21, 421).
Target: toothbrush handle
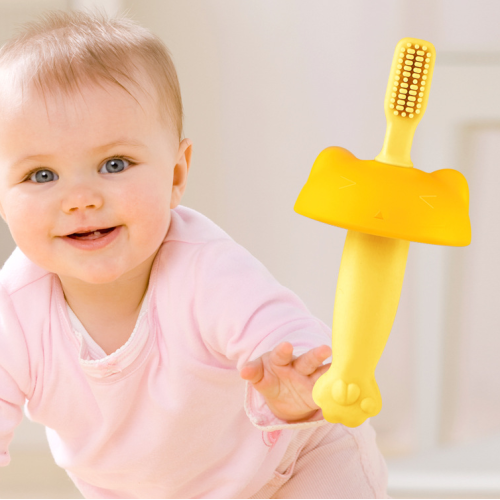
point(368, 290)
point(397, 143)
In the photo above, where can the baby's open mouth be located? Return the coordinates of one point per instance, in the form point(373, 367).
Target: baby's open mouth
point(92, 235)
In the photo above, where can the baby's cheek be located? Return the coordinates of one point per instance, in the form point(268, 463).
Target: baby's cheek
point(32, 233)
point(25, 222)
point(154, 219)
point(146, 203)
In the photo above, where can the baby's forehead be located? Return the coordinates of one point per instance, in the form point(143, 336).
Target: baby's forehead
point(85, 97)
point(134, 99)
point(12, 94)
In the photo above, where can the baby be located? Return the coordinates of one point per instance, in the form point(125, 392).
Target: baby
point(164, 360)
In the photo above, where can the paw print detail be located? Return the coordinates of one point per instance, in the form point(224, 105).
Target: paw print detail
point(345, 401)
point(368, 405)
point(345, 394)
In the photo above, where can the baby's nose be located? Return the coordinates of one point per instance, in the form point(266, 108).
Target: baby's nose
point(80, 199)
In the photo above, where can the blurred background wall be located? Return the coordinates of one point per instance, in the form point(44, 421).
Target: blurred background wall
point(268, 84)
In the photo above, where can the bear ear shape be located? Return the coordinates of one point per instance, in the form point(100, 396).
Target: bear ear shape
point(455, 180)
point(387, 200)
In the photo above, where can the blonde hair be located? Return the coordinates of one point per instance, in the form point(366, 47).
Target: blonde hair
point(62, 49)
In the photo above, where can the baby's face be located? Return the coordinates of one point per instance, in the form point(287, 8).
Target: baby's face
point(77, 181)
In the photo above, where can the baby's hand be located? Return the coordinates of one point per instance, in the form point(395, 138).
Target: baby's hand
point(286, 381)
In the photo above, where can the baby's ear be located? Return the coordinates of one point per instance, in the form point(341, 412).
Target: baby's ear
point(181, 171)
point(185, 150)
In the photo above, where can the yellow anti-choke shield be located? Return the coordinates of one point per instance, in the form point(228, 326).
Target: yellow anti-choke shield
point(386, 200)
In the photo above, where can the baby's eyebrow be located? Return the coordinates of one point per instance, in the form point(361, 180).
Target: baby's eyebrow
point(124, 141)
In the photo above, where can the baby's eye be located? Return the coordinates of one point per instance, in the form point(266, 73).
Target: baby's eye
point(115, 165)
point(42, 176)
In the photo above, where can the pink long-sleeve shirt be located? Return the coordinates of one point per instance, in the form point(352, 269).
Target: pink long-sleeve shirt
point(167, 415)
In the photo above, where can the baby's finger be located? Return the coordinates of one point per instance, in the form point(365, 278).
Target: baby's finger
point(282, 354)
point(253, 371)
point(320, 371)
point(311, 360)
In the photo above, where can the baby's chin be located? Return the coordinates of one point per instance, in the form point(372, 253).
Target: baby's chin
point(101, 275)
point(108, 274)
point(88, 275)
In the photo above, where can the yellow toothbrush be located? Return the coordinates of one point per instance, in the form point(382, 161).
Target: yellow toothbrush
point(384, 204)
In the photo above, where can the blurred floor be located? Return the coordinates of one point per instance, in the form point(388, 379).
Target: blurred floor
point(468, 470)
point(34, 474)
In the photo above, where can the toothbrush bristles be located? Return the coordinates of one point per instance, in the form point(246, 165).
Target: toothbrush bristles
point(410, 79)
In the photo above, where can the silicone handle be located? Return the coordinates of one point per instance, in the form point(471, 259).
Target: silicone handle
point(368, 290)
